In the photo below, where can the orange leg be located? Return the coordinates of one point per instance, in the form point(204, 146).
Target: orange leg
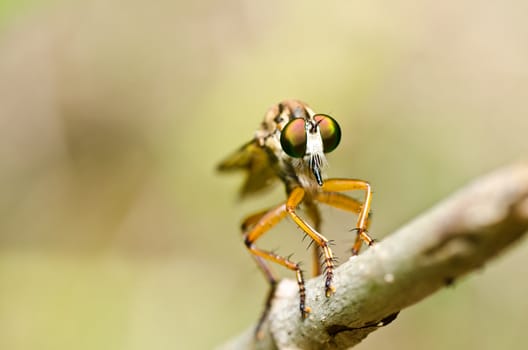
point(258, 224)
point(313, 212)
point(248, 223)
point(295, 198)
point(254, 227)
point(338, 200)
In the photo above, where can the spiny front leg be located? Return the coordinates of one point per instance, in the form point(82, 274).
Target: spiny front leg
point(330, 196)
point(290, 265)
point(253, 228)
point(294, 199)
point(313, 212)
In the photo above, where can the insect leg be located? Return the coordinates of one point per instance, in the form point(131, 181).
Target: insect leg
point(330, 197)
point(313, 212)
point(294, 199)
point(257, 225)
point(248, 223)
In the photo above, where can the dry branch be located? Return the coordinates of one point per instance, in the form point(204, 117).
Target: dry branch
point(458, 235)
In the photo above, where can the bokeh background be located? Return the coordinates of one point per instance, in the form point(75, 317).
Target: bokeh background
point(115, 230)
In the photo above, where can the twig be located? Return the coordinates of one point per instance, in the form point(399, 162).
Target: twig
point(458, 235)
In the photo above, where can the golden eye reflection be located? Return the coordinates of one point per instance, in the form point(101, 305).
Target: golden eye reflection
point(330, 131)
point(293, 138)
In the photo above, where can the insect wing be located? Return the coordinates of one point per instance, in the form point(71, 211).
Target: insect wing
point(255, 161)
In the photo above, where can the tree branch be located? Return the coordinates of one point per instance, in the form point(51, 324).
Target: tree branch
point(455, 237)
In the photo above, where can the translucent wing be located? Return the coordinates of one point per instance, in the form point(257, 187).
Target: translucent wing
point(255, 160)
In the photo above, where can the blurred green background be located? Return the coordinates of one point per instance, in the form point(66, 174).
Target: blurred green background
point(115, 230)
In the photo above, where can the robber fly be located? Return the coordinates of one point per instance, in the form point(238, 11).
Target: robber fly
point(290, 145)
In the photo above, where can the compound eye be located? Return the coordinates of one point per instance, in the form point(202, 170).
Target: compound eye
point(293, 138)
point(330, 131)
